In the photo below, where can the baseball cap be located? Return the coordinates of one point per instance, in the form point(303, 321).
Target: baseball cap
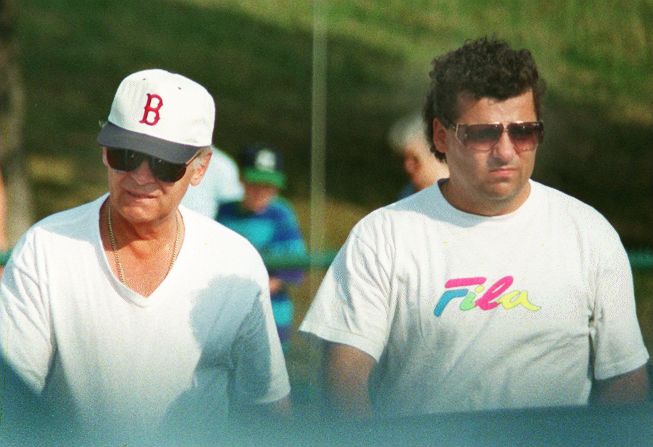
point(261, 163)
point(161, 114)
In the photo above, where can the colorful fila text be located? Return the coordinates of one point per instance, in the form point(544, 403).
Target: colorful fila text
point(489, 298)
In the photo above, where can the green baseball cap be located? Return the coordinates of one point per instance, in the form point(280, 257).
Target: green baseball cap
point(262, 164)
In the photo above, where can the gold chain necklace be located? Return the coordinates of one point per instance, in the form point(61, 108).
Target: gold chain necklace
point(114, 245)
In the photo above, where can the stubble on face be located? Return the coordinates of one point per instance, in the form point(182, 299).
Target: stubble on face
point(495, 182)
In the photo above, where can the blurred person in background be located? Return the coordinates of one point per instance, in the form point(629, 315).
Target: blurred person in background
point(269, 222)
point(220, 184)
point(487, 290)
point(135, 316)
point(407, 139)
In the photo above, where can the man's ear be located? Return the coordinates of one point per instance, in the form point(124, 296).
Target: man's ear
point(440, 136)
point(200, 167)
point(105, 162)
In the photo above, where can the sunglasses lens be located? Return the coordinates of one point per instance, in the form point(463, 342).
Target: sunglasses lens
point(166, 171)
point(480, 136)
point(526, 136)
point(124, 160)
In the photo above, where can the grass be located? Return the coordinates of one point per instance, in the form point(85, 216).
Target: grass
point(255, 56)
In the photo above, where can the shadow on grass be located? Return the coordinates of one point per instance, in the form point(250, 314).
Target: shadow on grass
point(605, 163)
point(75, 53)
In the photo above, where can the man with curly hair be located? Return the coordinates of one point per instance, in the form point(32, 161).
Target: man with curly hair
point(487, 290)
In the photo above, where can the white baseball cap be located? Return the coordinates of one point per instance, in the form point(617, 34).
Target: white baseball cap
point(162, 114)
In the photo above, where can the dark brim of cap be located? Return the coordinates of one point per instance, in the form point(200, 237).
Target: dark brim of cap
point(274, 178)
point(116, 137)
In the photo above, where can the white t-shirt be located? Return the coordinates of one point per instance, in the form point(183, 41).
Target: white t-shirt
point(464, 312)
point(205, 339)
point(220, 184)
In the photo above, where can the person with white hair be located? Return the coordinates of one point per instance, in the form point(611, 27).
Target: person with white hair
point(131, 314)
point(408, 140)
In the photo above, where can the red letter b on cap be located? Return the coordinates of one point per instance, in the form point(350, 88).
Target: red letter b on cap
point(151, 112)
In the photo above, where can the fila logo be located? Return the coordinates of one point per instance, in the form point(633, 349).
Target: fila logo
point(491, 297)
point(151, 110)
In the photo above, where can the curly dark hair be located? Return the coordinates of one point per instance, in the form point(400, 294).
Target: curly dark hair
point(483, 68)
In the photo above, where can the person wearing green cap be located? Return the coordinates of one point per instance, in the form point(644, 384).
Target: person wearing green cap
point(269, 222)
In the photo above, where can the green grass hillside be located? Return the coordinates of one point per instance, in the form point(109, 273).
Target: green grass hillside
point(255, 56)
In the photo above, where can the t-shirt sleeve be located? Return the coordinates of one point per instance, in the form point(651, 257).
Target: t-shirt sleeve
point(353, 303)
point(259, 374)
point(25, 330)
point(616, 336)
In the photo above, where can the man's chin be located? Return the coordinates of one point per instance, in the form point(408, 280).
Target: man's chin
point(506, 192)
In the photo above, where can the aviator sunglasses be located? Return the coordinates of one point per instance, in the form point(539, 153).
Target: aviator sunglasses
point(127, 160)
point(525, 136)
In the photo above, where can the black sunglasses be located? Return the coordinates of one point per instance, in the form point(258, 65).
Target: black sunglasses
point(525, 136)
point(127, 160)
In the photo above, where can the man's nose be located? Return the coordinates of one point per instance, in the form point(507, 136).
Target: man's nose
point(143, 174)
point(504, 149)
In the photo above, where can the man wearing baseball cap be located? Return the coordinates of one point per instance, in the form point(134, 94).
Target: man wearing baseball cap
point(132, 314)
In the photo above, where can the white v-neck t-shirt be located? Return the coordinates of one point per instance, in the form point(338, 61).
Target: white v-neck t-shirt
point(204, 340)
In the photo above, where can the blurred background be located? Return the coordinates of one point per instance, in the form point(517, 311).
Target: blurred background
point(278, 78)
